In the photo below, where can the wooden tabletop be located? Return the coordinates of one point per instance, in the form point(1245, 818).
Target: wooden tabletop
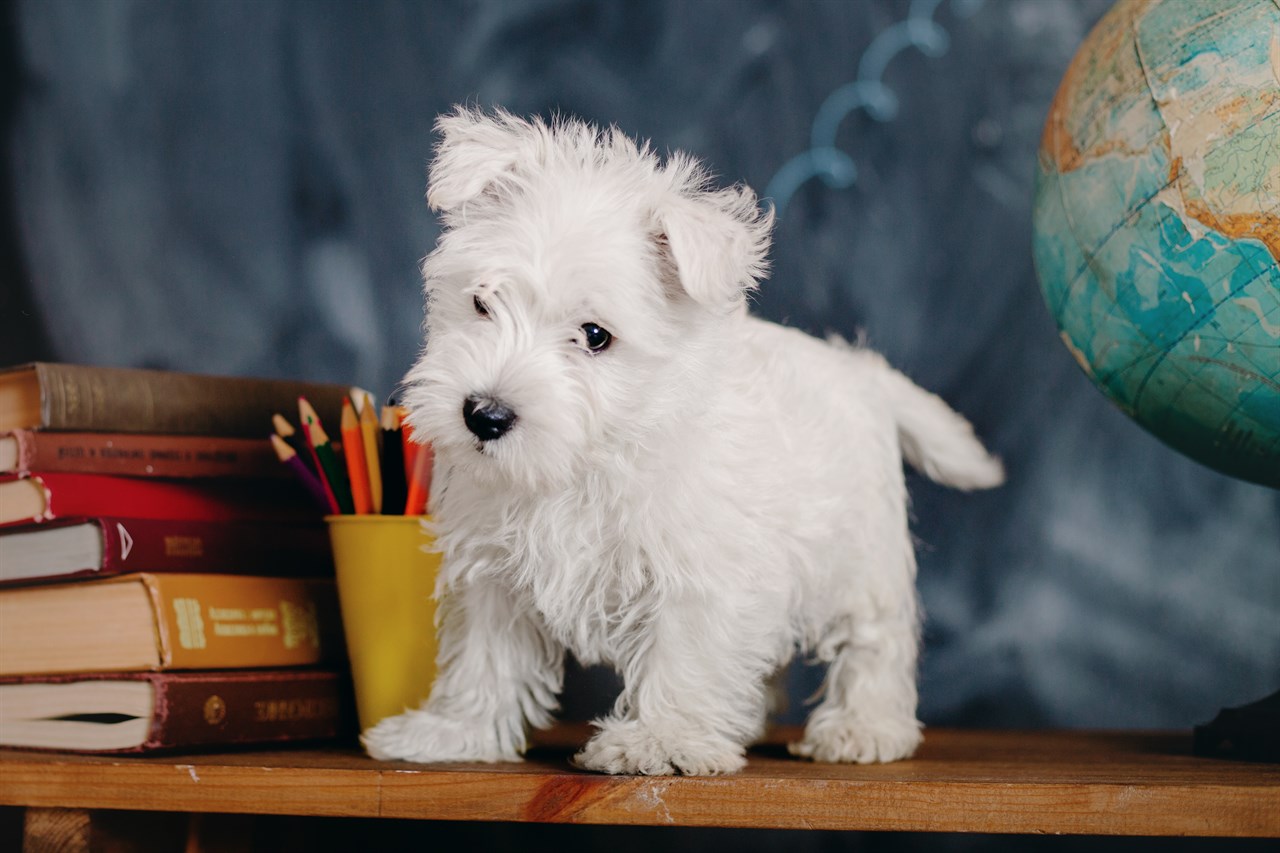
point(960, 781)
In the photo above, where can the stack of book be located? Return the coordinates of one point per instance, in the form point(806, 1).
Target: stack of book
point(164, 583)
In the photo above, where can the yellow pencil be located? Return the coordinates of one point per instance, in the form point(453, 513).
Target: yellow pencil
point(370, 432)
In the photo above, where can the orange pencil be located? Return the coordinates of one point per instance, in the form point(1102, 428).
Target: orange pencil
point(370, 432)
point(353, 453)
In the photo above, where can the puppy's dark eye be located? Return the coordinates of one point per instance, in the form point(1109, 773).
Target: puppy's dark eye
point(481, 308)
point(597, 338)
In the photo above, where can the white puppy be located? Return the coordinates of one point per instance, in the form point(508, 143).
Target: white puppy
point(632, 468)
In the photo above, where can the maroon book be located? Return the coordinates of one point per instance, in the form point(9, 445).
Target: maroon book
point(149, 711)
point(139, 455)
point(104, 545)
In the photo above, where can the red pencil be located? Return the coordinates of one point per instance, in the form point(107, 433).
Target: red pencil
point(410, 447)
point(420, 482)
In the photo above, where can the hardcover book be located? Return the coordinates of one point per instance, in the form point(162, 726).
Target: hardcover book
point(110, 546)
point(158, 622)
point(44, 496)
point(149, 711)
point(44, 395)
point(138, 454)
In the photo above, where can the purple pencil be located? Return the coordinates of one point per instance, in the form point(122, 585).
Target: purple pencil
point(310, 481)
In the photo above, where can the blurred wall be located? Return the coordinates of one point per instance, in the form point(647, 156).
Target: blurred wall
point(237, 186)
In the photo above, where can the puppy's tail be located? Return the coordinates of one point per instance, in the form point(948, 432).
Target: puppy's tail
point(937, 441)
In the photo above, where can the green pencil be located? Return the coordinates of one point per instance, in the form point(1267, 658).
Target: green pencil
point(326, 458)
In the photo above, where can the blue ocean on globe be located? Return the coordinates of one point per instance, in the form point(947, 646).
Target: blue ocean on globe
point(1157, 223)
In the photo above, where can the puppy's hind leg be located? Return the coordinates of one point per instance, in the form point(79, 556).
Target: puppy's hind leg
point(499, 672)
point(868, 710)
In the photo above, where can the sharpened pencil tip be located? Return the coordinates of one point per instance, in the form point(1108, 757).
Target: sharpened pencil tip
point(282, 425)
point(283, 451)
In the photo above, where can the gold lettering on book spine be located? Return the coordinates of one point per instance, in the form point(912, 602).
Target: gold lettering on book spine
point(70, 399)
point(300, 624)
point(291, 710)
point(238, 622)
point(190, 623)
point(183, 546)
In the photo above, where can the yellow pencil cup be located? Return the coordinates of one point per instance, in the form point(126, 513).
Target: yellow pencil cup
point(386, 578)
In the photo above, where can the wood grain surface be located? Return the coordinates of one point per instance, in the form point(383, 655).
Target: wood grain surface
point(960, 781)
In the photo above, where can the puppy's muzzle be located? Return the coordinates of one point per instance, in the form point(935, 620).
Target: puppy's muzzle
point(486, 418)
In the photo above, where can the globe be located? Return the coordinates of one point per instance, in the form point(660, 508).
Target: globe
point(1157, 223)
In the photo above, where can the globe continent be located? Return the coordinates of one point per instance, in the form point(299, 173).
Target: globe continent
point(1157, 223)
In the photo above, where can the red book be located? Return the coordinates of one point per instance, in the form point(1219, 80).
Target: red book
point(71, 547)
point(148, 711)
point(138, 454)
point(44, 496)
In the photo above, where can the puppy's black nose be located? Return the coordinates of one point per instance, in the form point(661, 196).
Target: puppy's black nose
point(487, 419)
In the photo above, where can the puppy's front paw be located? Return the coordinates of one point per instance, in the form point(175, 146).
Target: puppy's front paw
point(427, 738)
point(629, 747)
point(848, 740)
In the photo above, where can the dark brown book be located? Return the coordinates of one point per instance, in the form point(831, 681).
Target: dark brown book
point(54, 396)
point(149, 711)
point(139, 455)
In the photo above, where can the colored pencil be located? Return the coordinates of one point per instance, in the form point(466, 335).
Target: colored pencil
point(326, 459)
point(408, 446)
point(285, 430)
point(369, 436)
point(311, 455)
point(394, 485)
point(356, 395)
point(309, 481)
point(420, 483)
point(353, 455)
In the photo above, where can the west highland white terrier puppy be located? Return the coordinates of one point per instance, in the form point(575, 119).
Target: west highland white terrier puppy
point(632, 468)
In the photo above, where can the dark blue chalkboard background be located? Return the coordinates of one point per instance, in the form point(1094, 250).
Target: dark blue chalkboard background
point(237, 186)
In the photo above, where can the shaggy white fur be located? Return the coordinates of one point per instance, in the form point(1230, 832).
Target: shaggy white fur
point(632, 468)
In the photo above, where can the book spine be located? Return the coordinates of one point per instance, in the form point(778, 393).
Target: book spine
point(175, 545)
point(109, 399)
point(222, 622)
point(164, 545)
point(229, 709)
point(146, 455)
point(26, 450)
point(69, 495)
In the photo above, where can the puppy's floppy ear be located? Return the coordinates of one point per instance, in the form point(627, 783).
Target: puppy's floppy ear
point(716, 240)
point(474, 150)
